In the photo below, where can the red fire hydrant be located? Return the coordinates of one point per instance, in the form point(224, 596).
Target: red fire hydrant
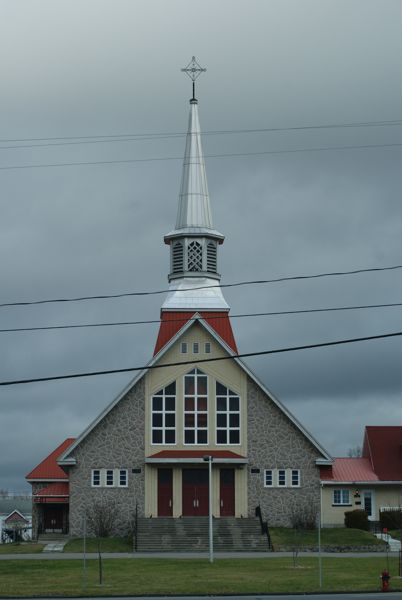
point(385, 577)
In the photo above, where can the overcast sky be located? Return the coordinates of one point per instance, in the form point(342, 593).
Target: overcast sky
point(112, 67)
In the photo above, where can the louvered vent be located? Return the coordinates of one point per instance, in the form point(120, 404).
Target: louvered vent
point(211, 257)
point(194, 253)
point(177, 257)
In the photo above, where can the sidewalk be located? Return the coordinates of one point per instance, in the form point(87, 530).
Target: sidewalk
point(187, 555)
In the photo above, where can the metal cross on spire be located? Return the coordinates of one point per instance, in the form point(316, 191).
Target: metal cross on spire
point(193, 70)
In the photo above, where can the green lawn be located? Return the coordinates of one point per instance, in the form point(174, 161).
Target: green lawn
point(26, 548)
point(189, 576)
point(107, 545)
point(330, 537)
point(395, 533)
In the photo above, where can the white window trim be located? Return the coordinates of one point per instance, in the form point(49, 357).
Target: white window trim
point(278, 472)
point(119, 472)
point(113, 478)
point(268, 485)
point(227, 428)
point(99, 471)
point(163, 412)
point(195, 411)
point(183, 348)
point(291, 484)
point(341, 503)
point(207, 345)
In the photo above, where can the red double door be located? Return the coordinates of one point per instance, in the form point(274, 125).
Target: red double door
point(195, 490)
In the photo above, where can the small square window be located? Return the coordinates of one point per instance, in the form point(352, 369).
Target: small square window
point(110, 477)
point(281, 478)
point(183, 347)
point(96, 478)
point(123, 478)
point(207, 348)
point(268, 479)
point(196, 348)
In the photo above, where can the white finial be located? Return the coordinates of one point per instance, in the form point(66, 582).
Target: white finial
point(193, 70)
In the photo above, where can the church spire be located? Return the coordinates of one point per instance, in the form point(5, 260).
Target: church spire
point(194, 242)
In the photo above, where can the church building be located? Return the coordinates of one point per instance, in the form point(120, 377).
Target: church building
point(148, 452)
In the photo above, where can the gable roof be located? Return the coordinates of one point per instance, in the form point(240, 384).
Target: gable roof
point(172, 322)
point(66, 459)
point(48, 469)
point(351, 470)
point(15, 517)
point(383, 447)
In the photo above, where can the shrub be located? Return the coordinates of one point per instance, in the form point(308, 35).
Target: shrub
point(391, 519)
point(357, 519)
point(304, 518)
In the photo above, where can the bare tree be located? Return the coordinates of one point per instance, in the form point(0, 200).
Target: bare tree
point(100, 518)
point(355, 452)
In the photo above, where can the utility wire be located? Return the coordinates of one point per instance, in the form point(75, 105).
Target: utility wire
point(223, 155)
point(200, 318)
point(203, 287)
point(158, 135)
point(202, 360)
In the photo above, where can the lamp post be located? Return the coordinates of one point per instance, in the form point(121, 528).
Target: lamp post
point(209, 460)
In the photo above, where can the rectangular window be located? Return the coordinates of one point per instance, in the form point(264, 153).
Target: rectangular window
point(163, 415)
point(96, 477)
point(196, 407)
point(123, 478)
point(281, 478)
point(295, 479)
point(196, 348)
point(341, 497)
point(207, 348)
point(268, 479)
point(227, 416)
point(183, 348)
point(109, 477)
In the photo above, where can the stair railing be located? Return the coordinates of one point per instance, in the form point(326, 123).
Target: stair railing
point(136, 527)
point(264, 526)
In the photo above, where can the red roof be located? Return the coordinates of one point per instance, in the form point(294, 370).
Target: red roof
point(196, 454)
point(348, 470)
point(54, 492)
point(15, 517)
point(48, 468)
point(172, 322)
point(383, 446)
point(54, 489)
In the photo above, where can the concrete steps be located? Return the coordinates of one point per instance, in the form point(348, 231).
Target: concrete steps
point(191, 534)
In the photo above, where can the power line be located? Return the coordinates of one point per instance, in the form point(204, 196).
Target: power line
point(165, 134)
point(202, 360)
point(200, 318)
point(223, 155)
point(225, 285)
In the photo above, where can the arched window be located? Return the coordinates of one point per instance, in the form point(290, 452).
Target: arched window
point(194, 256)
point(211, 257)
point(196, 407)
point(227, 415)
point(177, 257)
point(163, 409)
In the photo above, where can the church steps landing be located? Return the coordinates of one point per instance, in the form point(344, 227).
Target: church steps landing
point(192, 534)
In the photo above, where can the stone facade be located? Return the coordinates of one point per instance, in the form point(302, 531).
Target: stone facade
point(116, 442)
point(275, 442)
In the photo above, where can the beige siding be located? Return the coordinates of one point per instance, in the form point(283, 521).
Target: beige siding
point(382, 496)
point(226, 372)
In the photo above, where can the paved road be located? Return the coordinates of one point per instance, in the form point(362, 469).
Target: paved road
point(365, 596)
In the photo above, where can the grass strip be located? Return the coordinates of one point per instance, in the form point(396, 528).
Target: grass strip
point(25, 548)
point(190, 576)
point(331, 537)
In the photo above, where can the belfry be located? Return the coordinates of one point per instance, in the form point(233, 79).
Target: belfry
point(194, 278)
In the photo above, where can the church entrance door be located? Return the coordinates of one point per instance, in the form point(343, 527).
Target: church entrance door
point(165, 492)
point(53, 519)
point(195, 493)
point(227, 492)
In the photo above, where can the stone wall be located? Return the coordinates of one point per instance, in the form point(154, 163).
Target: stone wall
point(117, 442)
point(274, 442)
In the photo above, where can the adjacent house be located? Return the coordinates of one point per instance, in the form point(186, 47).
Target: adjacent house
point(15, 518)
point(372, 482)
point(196, 401)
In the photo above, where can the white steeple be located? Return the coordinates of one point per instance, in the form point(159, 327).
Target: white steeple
point(194, 242)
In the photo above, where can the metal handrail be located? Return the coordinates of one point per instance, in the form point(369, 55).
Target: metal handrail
point(264, 526)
